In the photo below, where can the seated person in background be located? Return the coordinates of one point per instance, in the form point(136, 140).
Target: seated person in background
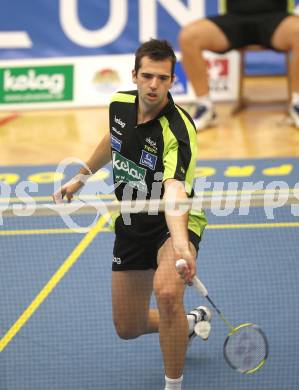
point(263, 22)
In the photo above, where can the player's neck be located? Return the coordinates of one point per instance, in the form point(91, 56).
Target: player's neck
point(146, 114)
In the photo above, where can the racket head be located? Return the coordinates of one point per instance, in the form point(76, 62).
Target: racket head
point(246, 348)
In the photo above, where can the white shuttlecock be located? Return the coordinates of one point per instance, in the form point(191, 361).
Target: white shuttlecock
point(203, 329)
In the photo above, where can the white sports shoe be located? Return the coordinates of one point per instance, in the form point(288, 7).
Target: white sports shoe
point(204, 117)
point(202, 323)
point(294, 114)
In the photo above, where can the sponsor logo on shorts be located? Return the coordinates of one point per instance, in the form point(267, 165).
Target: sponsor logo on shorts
point(116, 260)
point(127, 171)
point(147, 159)
point(115, 143)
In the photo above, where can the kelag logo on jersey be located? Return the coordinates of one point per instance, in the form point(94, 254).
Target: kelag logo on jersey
point(127, 171)
point(148, 160)
point(115, 143)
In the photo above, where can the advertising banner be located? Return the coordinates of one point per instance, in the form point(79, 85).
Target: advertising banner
point(90, 81)
point(75, 53)
point(73, 28)
point(32, 84)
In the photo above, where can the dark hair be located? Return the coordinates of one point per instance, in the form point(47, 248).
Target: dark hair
point(156, 50)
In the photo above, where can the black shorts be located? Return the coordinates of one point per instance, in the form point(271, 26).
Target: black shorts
point(135, 255)
point(243, 30)
point(137, 244)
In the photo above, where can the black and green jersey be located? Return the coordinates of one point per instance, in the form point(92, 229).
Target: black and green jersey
point(145, 155)
point(151, 152)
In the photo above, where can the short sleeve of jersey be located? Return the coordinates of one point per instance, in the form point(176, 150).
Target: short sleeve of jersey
point(180, 148)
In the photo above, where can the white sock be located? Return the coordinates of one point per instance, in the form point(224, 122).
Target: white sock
point(204, 100)
point(173, 384)
point(295, 98)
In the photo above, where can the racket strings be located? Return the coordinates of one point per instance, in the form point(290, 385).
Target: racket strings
point(246, 349)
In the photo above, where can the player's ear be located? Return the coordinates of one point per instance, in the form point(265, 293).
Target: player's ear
point(134, 76)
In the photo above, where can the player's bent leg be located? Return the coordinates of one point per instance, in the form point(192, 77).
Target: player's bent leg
point(173, 325)
point(131, 292)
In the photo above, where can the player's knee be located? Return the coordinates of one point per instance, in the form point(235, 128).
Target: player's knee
point(168, 300)
point(125, 331)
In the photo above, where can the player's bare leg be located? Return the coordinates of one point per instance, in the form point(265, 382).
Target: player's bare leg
point(131, 293)
point(173, 326)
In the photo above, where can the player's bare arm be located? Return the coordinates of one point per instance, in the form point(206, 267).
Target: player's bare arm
point(177, 223)
point(100, 157)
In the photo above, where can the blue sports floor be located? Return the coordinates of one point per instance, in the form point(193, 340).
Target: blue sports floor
point(57, 334)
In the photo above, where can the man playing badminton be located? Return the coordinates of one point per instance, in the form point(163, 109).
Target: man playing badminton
point(152, 145)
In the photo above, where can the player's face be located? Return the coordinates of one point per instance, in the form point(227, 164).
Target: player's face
point(153, 81)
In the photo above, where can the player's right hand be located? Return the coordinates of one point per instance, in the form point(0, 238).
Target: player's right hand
point(188, 270)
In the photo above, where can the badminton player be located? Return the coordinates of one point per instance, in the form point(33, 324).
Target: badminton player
point(153, 148)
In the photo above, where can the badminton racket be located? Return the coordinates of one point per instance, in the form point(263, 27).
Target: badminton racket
point(246, 347)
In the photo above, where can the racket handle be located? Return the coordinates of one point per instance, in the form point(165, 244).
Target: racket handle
point(200, 287)
point(197, 284)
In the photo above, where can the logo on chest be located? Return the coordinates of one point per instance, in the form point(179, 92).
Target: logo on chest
point(119, 122)
point(148, 160)
point(126, 171)
point(151, 145)
point(116, 130)
point(115, 143)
